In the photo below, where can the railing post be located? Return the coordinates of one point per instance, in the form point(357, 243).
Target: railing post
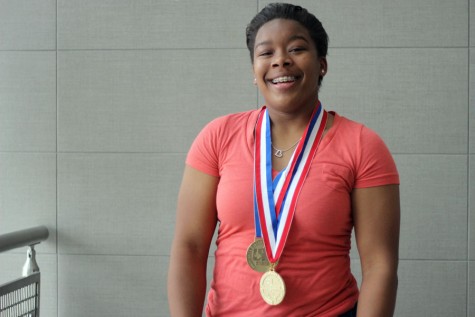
point(31, 266)
point(21, 297)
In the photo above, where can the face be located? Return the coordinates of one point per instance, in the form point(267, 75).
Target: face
point(287, 66)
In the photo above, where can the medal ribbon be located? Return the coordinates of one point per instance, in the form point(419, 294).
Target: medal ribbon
point(275, 201)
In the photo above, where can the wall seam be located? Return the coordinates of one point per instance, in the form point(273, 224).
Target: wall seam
point(467, 293)
point(257, 90)
point(57, 198)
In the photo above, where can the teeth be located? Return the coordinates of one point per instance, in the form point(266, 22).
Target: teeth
point(283, 79)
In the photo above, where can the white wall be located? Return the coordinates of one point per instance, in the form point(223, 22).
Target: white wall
point(100, 100)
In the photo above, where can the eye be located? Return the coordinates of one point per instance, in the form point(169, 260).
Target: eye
point(264, 53)
point(297, 49)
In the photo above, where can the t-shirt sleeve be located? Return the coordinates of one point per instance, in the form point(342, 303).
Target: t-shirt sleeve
point(376, 166)
point(203, 151)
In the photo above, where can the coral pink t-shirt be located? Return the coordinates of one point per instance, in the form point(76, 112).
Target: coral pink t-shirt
point(315, 263)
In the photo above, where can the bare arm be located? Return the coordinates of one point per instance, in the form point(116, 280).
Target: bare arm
point(376, 214)
point(195, 224)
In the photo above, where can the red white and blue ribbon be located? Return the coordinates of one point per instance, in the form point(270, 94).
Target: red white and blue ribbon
point(275, 200)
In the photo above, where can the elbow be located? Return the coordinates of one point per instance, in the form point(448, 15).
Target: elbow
point(385, 270)
point(382, 275)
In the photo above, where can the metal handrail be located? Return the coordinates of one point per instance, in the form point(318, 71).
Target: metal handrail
point(22, 238)
point(21, 297)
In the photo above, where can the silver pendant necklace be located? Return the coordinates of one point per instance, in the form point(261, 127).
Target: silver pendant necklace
point(280, 153)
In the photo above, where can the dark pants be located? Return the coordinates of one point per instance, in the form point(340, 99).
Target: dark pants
point(351, 313)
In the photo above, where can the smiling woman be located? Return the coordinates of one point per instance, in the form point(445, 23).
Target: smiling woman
point(287, 184)
point(287, 67)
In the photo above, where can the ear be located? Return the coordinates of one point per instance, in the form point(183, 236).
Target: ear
point(323, 66)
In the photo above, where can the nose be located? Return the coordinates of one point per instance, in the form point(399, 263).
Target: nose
point(281, 59)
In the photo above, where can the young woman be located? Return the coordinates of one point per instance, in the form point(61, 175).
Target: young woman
point(286, 183)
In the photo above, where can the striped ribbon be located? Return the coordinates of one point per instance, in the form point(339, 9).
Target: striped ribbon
point(275, 200)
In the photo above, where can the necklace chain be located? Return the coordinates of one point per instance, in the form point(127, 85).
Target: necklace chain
point(280, 153)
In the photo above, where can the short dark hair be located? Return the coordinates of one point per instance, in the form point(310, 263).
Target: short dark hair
point(290, 12)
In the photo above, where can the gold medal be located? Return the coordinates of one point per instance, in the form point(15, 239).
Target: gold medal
point(272, 288)
point(256, 256)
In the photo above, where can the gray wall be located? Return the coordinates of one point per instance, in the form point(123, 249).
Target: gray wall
point(100, 100)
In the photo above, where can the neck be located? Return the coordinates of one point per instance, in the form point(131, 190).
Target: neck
point(289, 126)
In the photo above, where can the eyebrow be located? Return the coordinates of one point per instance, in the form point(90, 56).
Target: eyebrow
point(292, 38)
point(261, 44)
point(298, 37)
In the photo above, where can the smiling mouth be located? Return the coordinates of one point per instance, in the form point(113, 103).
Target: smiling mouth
point(284, 79)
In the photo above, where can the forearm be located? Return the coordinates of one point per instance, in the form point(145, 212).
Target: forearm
point(378, 293)
point(186, 283)
point(376, 215)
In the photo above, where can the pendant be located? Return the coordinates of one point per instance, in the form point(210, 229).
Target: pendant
point(278, 153)
point(272, 288)
point(256, 256)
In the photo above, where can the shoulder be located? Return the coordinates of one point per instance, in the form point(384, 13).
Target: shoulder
point(232, 122)
point(346, 125)
point(219, 137)
point(355, 133)
point(224, 129)
point(369, 154)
